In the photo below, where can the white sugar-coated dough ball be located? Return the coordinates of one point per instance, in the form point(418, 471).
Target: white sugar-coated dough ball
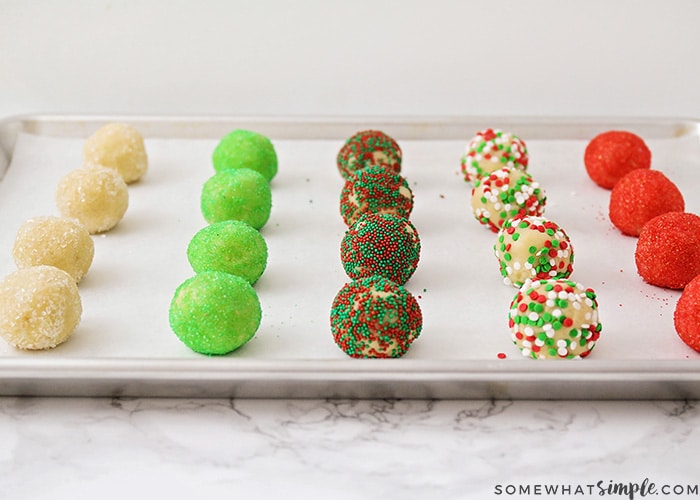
point(118, 146)
point(96, 196)
point(40, 307)
point(54, 241)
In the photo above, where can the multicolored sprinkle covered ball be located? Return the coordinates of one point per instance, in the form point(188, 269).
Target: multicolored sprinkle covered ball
point(490, 150)
point(230, 246)
point(554, 319)
point(640, 196)
point(381, 244)
point(240, 194)
point(686, 317)
point(668, 250)
point(613, 154)
point(246, 149)
point(368, 147)
point(505, 194)
point(533, 248)
point(375, 318)
point(375, 189)
point(215, 312)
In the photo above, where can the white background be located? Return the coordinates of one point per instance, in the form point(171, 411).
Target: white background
point(365, 57)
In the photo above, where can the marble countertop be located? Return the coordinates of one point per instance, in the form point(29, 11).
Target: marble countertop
point(218, 448)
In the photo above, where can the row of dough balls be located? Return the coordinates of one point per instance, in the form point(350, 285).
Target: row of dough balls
point(96, 194)
point(374, 316)
point(40, 305)
point(551, 316)
point(217, 310)
point(646, 204)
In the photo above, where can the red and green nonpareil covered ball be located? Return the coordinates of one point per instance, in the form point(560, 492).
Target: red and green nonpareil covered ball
point(365, 148)
point(554, 319)
point(533, 248)
point(375, 318)
point(375, 189)
point(490, 150)
point(505, 194)
point(381, 244)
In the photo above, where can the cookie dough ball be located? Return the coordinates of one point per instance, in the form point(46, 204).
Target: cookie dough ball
point(375, 318)
point(215, 312)
point(368, 147)
point(39, 307)
point(668, 250)
point(686, 317)
point(230, 246)
point(241, 194)
point(246, 149)
point(613, 154)
point(554, 319)
point(505, 194)
point(118, 146)
point(381, 244)
point(96, 196)
point(54, 241)
point(490, 150)
point(375, 190)
point(640, 196)
point(533, 248)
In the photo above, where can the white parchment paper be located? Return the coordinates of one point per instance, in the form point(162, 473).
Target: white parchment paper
point(138, 265)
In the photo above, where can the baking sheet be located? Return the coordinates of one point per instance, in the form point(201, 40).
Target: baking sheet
point(139, 264)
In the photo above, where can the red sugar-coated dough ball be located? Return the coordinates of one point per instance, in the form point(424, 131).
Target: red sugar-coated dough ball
point(640, 196)
point(686, 318)
point(611, 155)
point(668, 250)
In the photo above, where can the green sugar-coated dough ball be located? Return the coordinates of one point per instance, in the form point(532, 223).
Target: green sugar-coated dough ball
point(240, 194)
point(246, 149)
point(215, 312)
point(230, 246)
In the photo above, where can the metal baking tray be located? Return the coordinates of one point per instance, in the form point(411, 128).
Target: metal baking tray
point(123, 346)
